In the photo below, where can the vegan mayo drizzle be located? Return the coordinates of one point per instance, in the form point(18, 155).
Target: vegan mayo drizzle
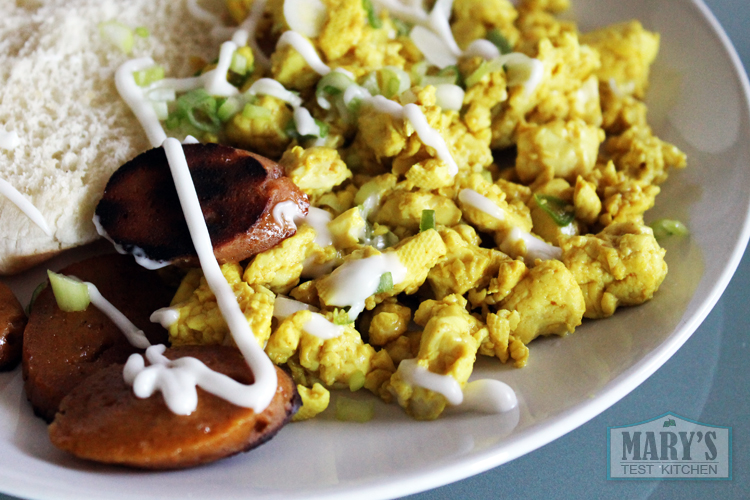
point(354, 281)
point(535, 248)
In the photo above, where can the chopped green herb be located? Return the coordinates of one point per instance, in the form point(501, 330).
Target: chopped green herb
point(341, 317)
point(331, 90)
point(197, 109)
point(402, 27)
point(323, 127)
point(148, 76)
point(428, 220)
point(499, 40)
point(353, 410)
point(664, 228)
point(372, 17)
point(560, 211)
point(386, 283)
point(71, 295)
point(142, 32)
point(356, 381)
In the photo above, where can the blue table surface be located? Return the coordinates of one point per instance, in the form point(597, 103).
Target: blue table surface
point(575, 466)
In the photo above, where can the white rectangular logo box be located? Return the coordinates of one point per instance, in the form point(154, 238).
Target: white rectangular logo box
point(669, 447)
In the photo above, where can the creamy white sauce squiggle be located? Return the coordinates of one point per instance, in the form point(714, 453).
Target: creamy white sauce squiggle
point(536, 248)
point(256, 396)
point(24, 205)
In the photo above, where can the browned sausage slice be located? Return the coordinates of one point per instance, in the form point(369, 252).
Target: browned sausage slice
point(60, 349)
point(12, 323)
point(102, 420)
point(140, 210)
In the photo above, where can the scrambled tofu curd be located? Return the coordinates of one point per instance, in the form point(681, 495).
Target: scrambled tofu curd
point(480, 186)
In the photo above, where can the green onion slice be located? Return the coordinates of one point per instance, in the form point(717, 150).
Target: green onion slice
point(142, 32)
point(386, 283)
point(239, 64)
point(499, 40)
point(341, 317)
point(395, 81)
point(353, 410)
point(485, 68)
point(356, 380)
point(428, 220)
point(148, 76)
point(196, 108)
point(402, 27)
point(71, 295)
point(251, 111)
point(332, 84)
point(560, 211)
point(372, 18)
point(664, 228)
point(118, 35)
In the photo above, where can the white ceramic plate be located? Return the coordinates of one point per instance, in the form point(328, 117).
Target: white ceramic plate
point(699, 101)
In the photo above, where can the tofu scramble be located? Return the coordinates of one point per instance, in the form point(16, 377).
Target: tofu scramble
point(478, 174)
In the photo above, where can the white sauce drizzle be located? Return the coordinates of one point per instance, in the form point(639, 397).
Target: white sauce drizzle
point(418, 375)
point(138, 254)
point(488, 396)
point(536, 248)
point(246, 35)
point(166, 316)
point(283, 307)
point(305, 49)
point(319, 326)
point(24, 205)
point(288, 213)
point(177, 381)
point(9, 140)
point(256, 396)
point(356, 280)
point(134, 334)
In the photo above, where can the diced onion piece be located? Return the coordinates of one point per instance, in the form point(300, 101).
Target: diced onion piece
point(434, 49)
point(449, 96)
point(664, 228)
point(118, 35)
point(353, 410)
point(306, 17)
point(71, 295)
point(357, 381)
point(427, 221)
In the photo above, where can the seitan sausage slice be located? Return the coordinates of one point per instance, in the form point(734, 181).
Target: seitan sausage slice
point(102, 420)
point(12, 323)
point(237, 189)
point(60, 349)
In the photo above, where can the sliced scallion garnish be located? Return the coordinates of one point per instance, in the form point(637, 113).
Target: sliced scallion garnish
point(71, 295)
point(142, 32)
point(558, 209)
point(386, 283)
point(485, 68)
point(664, 228)
point(356, 381)
point(118, 35)
point(198, 109)
point(372, 17)
point(499, 41)
point(427, 221)
point(341, 317)
point(148, 76)
point(251, 111)
point(34, 295)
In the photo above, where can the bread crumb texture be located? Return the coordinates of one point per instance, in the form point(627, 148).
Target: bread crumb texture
point(59, 96)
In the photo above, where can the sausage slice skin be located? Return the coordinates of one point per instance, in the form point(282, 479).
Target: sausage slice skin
point(12, 323)
point(238, 190)
point(102, 420)
point(60, 349)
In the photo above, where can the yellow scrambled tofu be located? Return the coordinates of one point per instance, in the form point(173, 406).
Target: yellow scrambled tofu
point(476, 203)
